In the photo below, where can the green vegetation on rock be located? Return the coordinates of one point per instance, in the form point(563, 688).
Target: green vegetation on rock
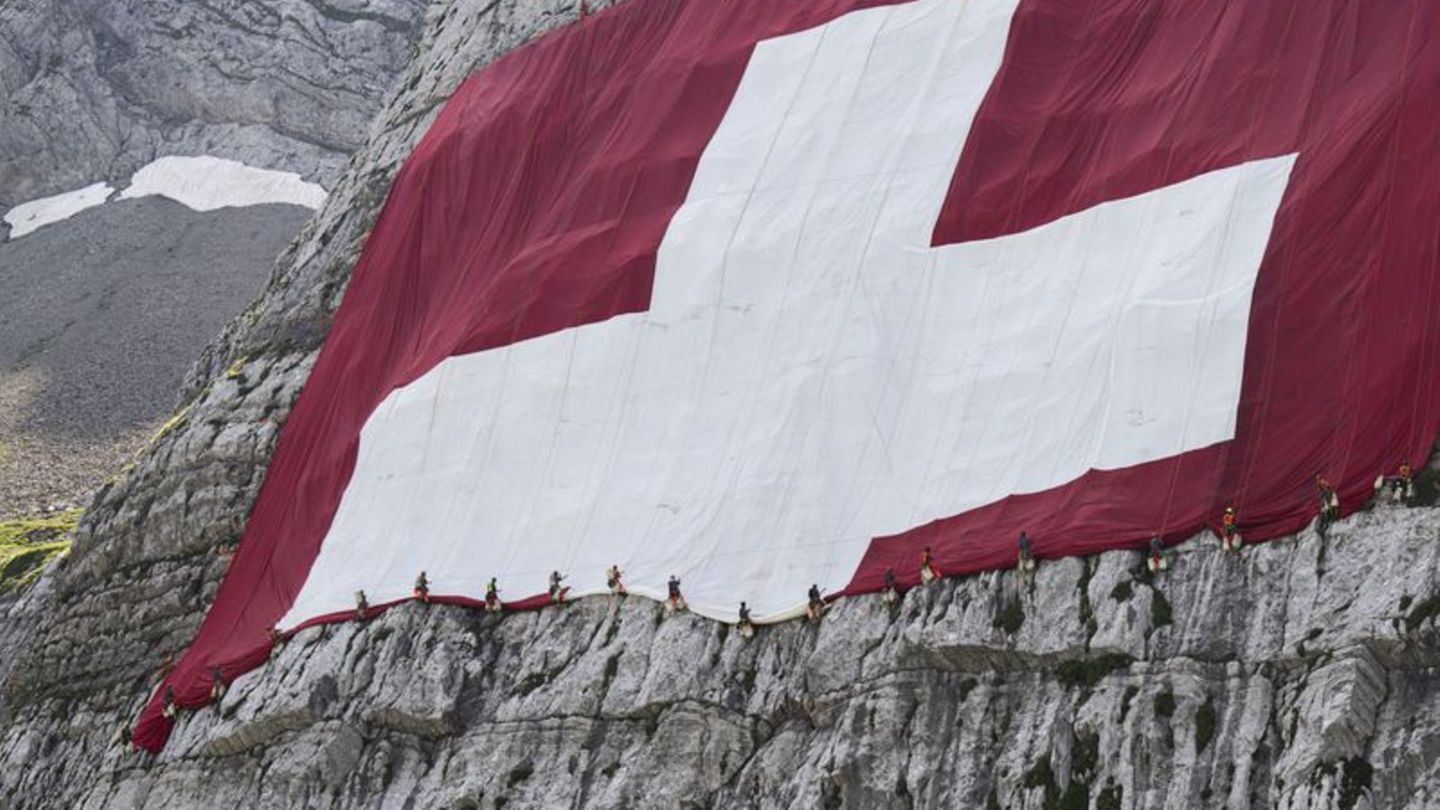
point(27, 544)
point(1010, 618)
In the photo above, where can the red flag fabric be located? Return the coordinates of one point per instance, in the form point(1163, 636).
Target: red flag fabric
point(551, 188)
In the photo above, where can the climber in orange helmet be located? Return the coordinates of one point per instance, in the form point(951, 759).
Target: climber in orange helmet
point(1229, 536)
point(1398, 488)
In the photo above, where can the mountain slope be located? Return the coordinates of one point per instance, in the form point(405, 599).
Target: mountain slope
point(103, 311)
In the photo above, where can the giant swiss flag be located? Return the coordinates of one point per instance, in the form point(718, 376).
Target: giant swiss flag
point(763, 293)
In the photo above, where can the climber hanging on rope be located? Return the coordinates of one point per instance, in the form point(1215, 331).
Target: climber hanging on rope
point(1329, 504)
point(892, 590)
point(928, 572)
point(217, 685)
point(815, 606)
point(492, 596)
point(747, 628)
point(362, 606)
point(1025, 560)
point(1397, 489)
point(1229, 533)
point(612, 580)
point(557, 592)
point(1157, 561)
point(422, 587)
point(169, 708)
point(675, 602)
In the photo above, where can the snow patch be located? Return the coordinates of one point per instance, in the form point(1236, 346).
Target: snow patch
point(29, 216)
point(206, 183)
point(201, 183)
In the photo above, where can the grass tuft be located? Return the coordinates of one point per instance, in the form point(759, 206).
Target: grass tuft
point(27, 544)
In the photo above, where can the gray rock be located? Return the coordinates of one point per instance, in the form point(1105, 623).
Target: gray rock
point(100, 316)
point(1299, 674)
point(93, 89)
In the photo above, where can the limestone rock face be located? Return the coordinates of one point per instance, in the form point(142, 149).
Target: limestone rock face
point(1297, 674)
point(93, 89)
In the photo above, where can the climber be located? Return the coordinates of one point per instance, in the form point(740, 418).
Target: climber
point(277, 640)
point(928, 572)
point(1398, 488)
point(1157, 561)
point(1329, 498)
point(167, 664)
point(892, 590)
point(492, 596)
point(1404, 486)
point(362, 605)
point(612, 579)
point(422, 587)
point(557, 593)
point(217, 685)
point(675, 602)
point(815, 607)
point(747, 628)
point(1025, 561)
point(169, 708)
point(1229, 536)
point(1329, 505)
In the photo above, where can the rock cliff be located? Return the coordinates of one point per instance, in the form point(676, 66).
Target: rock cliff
point(1297, 674)
point(93, 89)
point(101, 313)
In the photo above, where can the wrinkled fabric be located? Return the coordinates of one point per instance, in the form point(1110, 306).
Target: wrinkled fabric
point(539, 200)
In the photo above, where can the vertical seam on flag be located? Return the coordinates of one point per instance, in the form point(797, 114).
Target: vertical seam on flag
point(1264, 386)
point(1373, 279)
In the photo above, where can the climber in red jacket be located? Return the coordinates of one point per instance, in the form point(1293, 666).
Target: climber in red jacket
point(613, 581)
point(928, 572)
point(1229, 535)
point(422, 587)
